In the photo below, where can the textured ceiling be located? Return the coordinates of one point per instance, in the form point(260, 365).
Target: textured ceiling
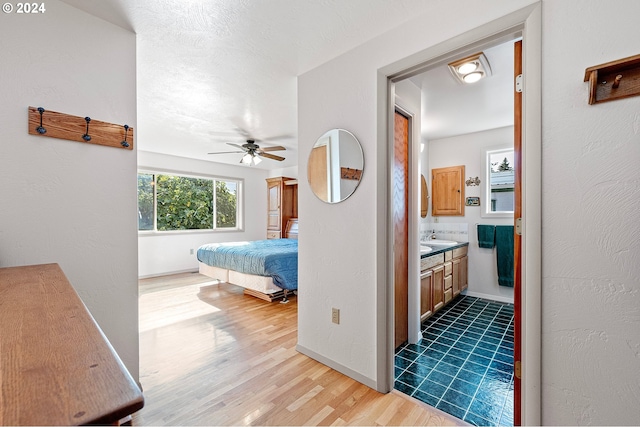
point(212, 72)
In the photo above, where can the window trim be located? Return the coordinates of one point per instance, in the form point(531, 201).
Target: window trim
point(240, 213)
point(485, 204)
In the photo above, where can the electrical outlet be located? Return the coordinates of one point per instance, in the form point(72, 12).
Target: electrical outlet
point(190, 251)
point(335, 315)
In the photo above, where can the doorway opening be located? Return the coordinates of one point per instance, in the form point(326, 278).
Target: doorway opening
point(468, 303)
point(461, 358)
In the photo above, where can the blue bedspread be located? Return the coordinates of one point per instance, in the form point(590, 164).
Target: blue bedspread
point(277, 258)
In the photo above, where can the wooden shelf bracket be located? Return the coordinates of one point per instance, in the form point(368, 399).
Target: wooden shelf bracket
point(614, 80)
point(80, 129)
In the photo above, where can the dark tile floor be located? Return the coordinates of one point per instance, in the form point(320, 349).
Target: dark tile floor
point(464, 363)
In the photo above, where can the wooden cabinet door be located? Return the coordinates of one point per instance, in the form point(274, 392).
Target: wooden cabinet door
point(426, 291)
point(447, 188)
point(456, 276)
point(464, 263)
point(273, 205)
point(438, 288)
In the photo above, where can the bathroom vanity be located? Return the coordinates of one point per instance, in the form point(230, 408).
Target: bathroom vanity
point(443, 275)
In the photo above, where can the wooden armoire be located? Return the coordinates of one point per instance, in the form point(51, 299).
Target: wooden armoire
point(282, 204)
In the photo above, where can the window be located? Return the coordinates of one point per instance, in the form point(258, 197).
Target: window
point(499, 183)
point(173, 202)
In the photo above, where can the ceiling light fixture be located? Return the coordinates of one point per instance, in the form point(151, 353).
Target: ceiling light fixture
point(470, 69)
point(250, 159)
point(246, 159)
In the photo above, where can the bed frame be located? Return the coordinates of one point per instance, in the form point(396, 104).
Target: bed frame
point(258, 286)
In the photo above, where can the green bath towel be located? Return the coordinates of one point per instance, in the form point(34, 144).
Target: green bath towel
point(504, 253)
point(486, 235)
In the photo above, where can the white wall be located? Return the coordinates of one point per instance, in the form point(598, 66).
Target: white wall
point(590, 233)
point(290, 172)
point(66, 202)
point(169, 252)
point(343, 258)
point(590, 236)
point(468, 150)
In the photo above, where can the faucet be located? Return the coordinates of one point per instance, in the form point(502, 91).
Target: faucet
point(430, 236)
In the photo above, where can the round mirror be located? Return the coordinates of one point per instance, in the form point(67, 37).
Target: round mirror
point(335, 166)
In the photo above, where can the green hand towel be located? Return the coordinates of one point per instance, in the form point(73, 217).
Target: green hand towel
point(486, 235)
point(504, 253)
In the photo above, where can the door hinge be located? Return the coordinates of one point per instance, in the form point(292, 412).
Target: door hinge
point(517, 370)
point(519, 83)
point(519, 226)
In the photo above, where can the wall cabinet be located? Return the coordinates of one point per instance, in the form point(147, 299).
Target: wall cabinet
point(282, 204)
point(443, 276)
point(447, 188)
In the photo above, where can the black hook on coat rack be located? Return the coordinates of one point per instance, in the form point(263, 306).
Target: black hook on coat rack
point(40, 129)
point(86, 136)
point(126, 130)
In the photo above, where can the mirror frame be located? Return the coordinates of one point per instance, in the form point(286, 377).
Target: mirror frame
point(319, 164)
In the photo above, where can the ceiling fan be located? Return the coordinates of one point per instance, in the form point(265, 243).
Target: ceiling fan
point(253, 152)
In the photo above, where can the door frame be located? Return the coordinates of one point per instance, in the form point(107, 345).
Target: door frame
point(527, 22)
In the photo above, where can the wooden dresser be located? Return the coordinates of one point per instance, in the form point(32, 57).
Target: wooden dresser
point(282, 204)
point(56, 365)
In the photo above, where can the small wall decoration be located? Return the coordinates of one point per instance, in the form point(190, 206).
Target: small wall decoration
point(473, 181)
point(472, 201)
point(80, 129)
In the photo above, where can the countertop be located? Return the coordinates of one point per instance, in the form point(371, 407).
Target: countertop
point(56, 367)
point(441, 249)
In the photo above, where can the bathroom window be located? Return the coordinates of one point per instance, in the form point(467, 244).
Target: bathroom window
point(498, 183)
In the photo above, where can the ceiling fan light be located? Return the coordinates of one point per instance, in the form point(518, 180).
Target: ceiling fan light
point(246, 159)
point(256, 160)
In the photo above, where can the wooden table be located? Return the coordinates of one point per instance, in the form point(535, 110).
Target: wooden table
point(56, 365)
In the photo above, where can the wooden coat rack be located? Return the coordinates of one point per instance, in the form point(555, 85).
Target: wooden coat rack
point(348, 173)
point(80, 129)
point(614, 80)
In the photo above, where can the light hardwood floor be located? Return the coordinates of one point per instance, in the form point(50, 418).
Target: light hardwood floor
point(210, 355)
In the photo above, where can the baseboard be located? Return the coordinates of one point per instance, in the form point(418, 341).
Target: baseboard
point(168, 273)
point(490, 297)
point(338, 367)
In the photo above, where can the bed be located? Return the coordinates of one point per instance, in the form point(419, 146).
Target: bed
point(267, 269)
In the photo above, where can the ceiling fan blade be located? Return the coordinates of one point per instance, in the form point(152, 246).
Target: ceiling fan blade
point(271, 156)
point(236, 145)
point(274, 148)
point(278, 137)
point(227, 152)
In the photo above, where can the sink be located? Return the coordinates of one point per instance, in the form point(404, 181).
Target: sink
point(438, 242)
point(424, 249)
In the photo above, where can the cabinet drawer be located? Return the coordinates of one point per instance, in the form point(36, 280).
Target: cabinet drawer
point(273, 235)
point(460, 252)
point(448, 294)
point(448, 256)
point(448, 269)
point(448, 282)
point(430, 261)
